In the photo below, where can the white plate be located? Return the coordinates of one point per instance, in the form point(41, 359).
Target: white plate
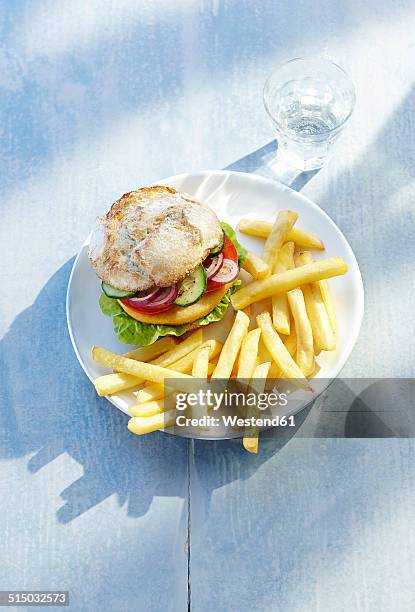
point(232, 195)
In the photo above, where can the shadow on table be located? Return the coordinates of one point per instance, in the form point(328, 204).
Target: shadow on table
point(49, 408)
point(263, 161)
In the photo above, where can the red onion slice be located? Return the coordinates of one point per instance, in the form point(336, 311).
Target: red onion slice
point(227, 273)
point(166, 296)
point(214, 265)
point(144, 299)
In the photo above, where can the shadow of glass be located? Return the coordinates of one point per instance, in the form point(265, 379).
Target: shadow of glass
point(50, 408)
point(384, 410)
point(363, 408)
point(263, 161)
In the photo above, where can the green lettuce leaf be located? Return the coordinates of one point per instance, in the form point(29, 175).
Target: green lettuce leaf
point(230, 232)
point(130, 331)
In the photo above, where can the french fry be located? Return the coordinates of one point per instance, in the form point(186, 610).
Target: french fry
point(328, 301)
point(248, 354)
point(259, 307)
point(200, 370)
point(303, 332)
point(280, 309)
point(147, 353)
point(323, 334)
point(154, 391)
point(231, 347)
point(285, 259)
point(234, 372)
point(148, 408)
point(301, 237)
point(283, 224)
point(144, 425)
point(279, 353)
point(185, 364)
point(285, 281)
point(264, 357)
point(275, 371)
point(147, 371)
point(290, 342)
point(182, 349)
point(256, 266)
point(259, 379)
point(109, 384)
point(201, 362)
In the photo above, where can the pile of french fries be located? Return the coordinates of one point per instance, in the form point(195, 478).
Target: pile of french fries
point(284, 318)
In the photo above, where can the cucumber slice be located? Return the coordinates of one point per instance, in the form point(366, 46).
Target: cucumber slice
point(220, 247)
point(117, 294)
point(192, 287)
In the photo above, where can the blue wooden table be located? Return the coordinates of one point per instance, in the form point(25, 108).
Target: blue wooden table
point(100, 97)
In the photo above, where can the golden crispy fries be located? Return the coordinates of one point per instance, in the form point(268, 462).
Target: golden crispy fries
point(154, 391)
point(301, 237)
point(114, 383)
point(264, 357)
point(147, 353)
point(139, 369)
point(109, 384)
point(259, 307)
point(144, 425)
point(275, 371)
point(280, 309)
point(200, 370)
point(283, 224)
point(234, 372)
point(291, 342)
point(190, 344)
point(186, 363)
point(201, 362)
point(255, 227)
point(263, 354)
point(149, 393)
point(256, 266)
point(248, 354)
point(259, 379)
point(148, 408)
point(285, 259)
point(323, 334)
point(231, 347)
point(285, 281)
point(303, 331)
point(279, 353)
point(328, 302)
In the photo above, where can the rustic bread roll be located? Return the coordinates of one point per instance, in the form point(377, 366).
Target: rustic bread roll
point(152, 237)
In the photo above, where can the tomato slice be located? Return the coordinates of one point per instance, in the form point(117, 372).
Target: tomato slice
point(229, 251)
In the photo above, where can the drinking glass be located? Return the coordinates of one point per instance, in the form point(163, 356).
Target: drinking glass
point(309, 101)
